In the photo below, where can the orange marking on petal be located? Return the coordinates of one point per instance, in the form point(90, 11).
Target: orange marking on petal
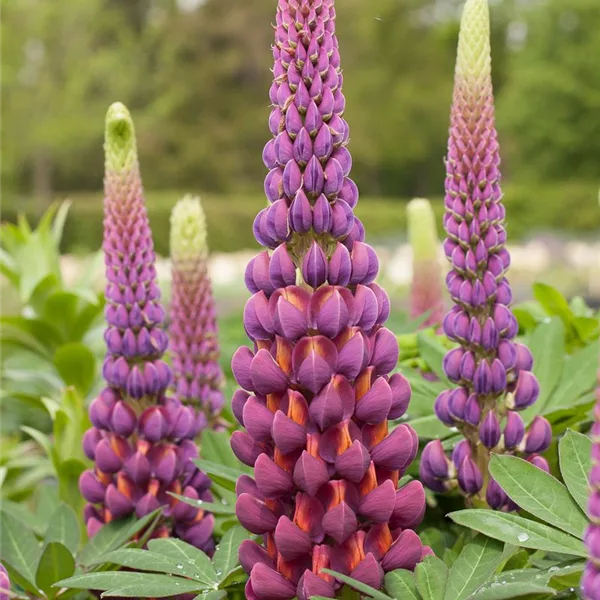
point(355, 551)
point(321, 560)
point(154, 487)
point(283, 355)
point(345, 440)
point(285, 461)
point(312, 444)
point(143, 446)
point(104, 478)
point(369, 481)
point(270, 546)
point(383, 475)
point(273, 402)
point(363, 382)
point(263, 345)
point(373, 434)
point(298, 408)
point(285, 568)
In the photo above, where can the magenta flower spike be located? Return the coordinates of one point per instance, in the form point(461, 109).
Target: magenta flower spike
point(316, 387)
point(590, 583)
point(493, 373)
point(141, 440)
point(426, 288)
point(194, 344)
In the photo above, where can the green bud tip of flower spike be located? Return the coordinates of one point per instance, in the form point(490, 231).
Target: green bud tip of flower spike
point(422, 232)
point(473, 61)
point(119, 140)
point(188, 230)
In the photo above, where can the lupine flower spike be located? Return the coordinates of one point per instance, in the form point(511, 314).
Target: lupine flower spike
point(493, 372)
point(590, 584)
point(426, 289)
point(141, 440)
point(316, 387)
point(4, 583)
point(193, 329)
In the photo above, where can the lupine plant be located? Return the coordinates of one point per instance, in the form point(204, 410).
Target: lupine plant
point(4, 583)
point(493, 372)
point(194, 345)
point(590, 583)
point(316, 391)
point(426, 287)
point(141, 441)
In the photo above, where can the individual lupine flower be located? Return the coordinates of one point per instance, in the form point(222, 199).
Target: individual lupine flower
point(141, 440)
point(4, 583)
point(426, 288)
point(493, 372)
point(316, 386)
point(193, 327)
point(590, 583)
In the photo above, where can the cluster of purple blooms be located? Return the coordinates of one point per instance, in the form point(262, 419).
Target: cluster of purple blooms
point(317, 393)
point(492, 372)
point(142, 441)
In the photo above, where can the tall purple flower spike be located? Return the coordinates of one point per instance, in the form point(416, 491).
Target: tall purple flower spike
point(141, 440)
point(316, 386)
point(194, 344)
point(493, 372)
point(590, 584)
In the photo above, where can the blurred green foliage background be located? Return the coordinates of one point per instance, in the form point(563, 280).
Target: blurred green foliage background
point(195, 74)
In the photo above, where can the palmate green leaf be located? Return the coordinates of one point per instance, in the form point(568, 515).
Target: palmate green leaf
point(433, 353)
point(512, 590)
point(224, 476)
point(114, 535)
point(63, 527)
point(401, 584)
point(183, 553)
point(147, 560)
point(56, 563)
point(76, 365)
point(539, 493)
point(547, 345)
point(132, 585)
point(553, 302)
point(19, 549)
point(519, 531)
point(575, 458)
point(225, 558)
point(431, 577)
point(430, 428)
point(216, 449)
point(357, 585)
point(213, 507)
point(476, 563)
point(579, 377)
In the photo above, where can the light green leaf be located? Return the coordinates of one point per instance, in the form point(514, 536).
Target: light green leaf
point(183, 553)
point(112, 536)
point(431, 577)
point(547, 345)
point(76, 365)
point(575, 457)
point(224, 476)
point(401, 584)
point(19, 548)
point(430, 428)
point(214, 595)
point(56, 563)
point(132, 585)
point(476, 563)
point(518, 530)
point(63, 527)
point(226, 555)
point(512, 590)
point(553, 301)
point(357, 585)
point(539, 493)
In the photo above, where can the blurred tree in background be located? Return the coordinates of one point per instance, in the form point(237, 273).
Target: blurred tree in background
point(195, 74)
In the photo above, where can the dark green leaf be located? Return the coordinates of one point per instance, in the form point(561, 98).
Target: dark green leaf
point(132, 585)
point(19, 548)
point(226, 555)
point(76, 365)
point(225, 476)
point(518, 530)
point(431, 577)
point(183, 553)
point(64, 528)
point(357, 585)
point(112, 536)
point(216, 449)
point(56, 563)
point(476, 563)
point(539, 493)
point(575, 457)
point(401, 584)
